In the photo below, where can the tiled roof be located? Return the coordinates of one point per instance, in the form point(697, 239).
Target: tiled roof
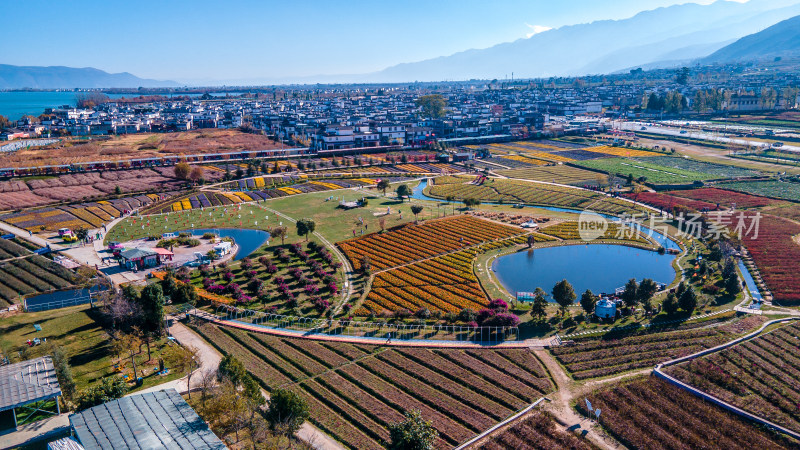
point(27, 382)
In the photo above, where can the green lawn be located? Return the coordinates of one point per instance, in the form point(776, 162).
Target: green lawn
point(76, 331)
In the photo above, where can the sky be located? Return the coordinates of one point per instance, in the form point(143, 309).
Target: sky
point(246, 40)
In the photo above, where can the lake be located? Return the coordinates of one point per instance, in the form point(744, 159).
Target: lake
point(599, 267)
point(14, 105)
point(247, 240)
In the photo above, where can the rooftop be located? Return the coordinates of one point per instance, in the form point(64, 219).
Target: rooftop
point(160, 419)
point(26, 382)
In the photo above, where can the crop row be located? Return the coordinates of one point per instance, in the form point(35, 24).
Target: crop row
point(32, 275)
point(539, 432)
point(357, 391)
point(569, 231)
point(411, 242)
point(651, 413)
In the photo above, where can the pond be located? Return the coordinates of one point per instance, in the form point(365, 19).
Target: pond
point(599, 267)
point(247, 240)
point(662, 239)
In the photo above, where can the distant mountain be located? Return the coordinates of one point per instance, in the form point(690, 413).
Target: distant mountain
point(60, 77)
point(676, 33)
point(781, 39)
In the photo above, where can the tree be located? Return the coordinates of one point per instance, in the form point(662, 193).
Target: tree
point(278, 232)
point(539, 305)
point(184, 293)
point(63, 372)
point(287, 412)
point(305, 227)
point(564, 295)
point(232, 369)
point(128, 344)
point(413, 433)
point(416, 209)
point(646, 290)
point(4, 122)
point(152, 301)
point(383, 185)
point(732, 284)
point(182, 358)
point(688, 300)
point(432, 106)
point(629, 295)
point(111, 388)
point(196, 174)
point(682, 76)
point(670, 304)
point(403, 191)
point(588, 301)
point(182, 171)
point(81, 233)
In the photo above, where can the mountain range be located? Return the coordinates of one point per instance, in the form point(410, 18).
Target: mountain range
point(60, 77)
point(661, 38)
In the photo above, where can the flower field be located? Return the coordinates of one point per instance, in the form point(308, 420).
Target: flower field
point(356, 391)
point(777, 256)
point(620, 151)
point(86, 215)
point(761, 376)
point(539, 432)
point(725, 197)
point(776, 189)
point(569, 231)
point(649, 413)
point(30, 276)
point(666, 202)
point(221, 198)
point(600, 358)
point(538, 194)
point(557, 174)
point(654, 173)
point(408, 243)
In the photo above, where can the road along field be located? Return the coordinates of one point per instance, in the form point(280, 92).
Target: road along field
point(356, 391)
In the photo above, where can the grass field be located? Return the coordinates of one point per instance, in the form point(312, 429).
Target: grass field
point(654, 173)
point(558, 174)
point(84, 341)
point(773, 188)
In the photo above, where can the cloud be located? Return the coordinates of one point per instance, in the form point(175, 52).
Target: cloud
point(536, 29)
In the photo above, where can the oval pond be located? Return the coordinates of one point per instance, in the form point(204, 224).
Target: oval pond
point(247, 240)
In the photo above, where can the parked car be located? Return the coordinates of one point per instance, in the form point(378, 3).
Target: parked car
point(114, 245)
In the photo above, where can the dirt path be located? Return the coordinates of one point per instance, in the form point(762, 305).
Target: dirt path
point(567, 390)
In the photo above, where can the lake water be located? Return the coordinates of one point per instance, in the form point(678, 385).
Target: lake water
point(247, 240)
point(599, 267)
point(17, 104)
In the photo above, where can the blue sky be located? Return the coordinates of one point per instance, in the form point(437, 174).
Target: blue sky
point(203, 40)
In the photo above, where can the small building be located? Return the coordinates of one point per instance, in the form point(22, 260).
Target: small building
point(164, 255)
point(223, 248)
point(605, 309)
point(138, 258)
point(27, 382)
point(160, 419)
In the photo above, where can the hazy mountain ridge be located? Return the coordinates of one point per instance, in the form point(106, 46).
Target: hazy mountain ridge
point(61, 77)
point(781, 39)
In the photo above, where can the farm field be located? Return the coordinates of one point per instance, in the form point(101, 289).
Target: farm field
point(593, 358)
point(557, 174)
point(725, 197)
point(31, 275)
point(666, 202)
point(648, 413)
point(760, 376)
point(410, 243)
point(356, 391)
point(569, 231)
point(654, 173)
point(208, 199)
point(777, 256)
point(87, 215)
point(517, 191)
point(715, 170)
point(776, 189)
point(141, 145)
point(537, 432)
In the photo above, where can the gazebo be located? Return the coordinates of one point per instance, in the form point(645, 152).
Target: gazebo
point(27, 382)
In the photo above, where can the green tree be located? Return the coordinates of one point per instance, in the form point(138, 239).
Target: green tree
point(732, 284)
point(231, 369)
point(184, 293)
point(433, 105)
point(682, 76)
point(646, 290)
point(588, 301)
point(111, 388)
point(63, 372)
point(383, 185)
point(564, 295)
point(629, 295)
point(81, 233)
point(305, 227)
point(416, 209)
point(278, 232)
point(539, 305)
point(152, 302)
point(287, 412)
point(182, 358)
point(688, 300)
point(403, 191)
point(413, 433)
point(670, 304)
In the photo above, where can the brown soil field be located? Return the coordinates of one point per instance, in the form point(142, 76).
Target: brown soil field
point(134, 146)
